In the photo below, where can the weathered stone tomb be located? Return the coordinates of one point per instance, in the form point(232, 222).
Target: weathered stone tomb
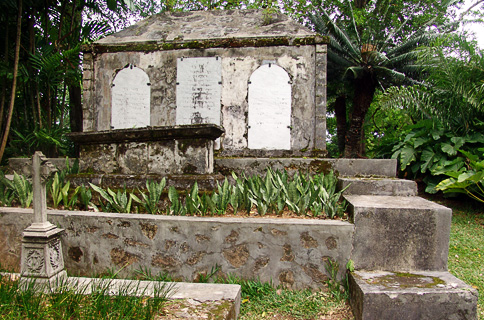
point(259, 75)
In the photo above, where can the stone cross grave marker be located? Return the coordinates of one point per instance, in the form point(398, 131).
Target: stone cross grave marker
point(42, 258)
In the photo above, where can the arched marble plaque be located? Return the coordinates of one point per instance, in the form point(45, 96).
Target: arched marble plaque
point(198, 90)
point(130, 99)
point(269, 109)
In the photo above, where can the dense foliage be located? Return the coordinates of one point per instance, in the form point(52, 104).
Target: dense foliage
point(276, 193)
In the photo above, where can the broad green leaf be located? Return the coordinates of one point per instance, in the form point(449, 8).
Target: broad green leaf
point(449, 149)
point(407, 156)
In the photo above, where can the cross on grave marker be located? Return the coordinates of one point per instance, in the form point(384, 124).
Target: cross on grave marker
point(42, 170)
point(42, 258)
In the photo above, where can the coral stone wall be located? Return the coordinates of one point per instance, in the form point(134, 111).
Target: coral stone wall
point(290, 252)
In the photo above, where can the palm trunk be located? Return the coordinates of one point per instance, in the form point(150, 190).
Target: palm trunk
point(364, 91)
point(14, 82)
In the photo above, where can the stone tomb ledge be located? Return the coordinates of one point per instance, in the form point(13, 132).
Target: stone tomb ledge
point(344, 167)
point(205, 182)
point(399, 233)
point(378, 186)
point(186, 149)
point(418, 295)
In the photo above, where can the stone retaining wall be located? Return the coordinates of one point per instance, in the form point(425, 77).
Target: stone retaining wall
point(291, 252)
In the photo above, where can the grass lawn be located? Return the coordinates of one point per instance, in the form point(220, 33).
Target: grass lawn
point(466, 248)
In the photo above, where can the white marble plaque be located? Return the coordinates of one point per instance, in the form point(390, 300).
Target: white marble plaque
point(269, 109)
point(130, 99)
point(198, 90)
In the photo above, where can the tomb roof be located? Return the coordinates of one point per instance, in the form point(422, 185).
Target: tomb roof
point(217, 28)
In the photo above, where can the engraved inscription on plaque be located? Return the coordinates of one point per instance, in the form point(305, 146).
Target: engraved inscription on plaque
point(130, 102)
point(269, 109)
point(198, 90)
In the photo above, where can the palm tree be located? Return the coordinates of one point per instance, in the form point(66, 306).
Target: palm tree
point(366, 57)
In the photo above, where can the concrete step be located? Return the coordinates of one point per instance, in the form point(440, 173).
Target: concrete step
point(378, 186)
point(399, 233)
point(417, 295)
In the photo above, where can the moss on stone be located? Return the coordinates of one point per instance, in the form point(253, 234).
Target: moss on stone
point(207, 43)
point(407, 280)
point(320, 166)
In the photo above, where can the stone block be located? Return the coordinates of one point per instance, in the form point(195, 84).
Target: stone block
point(399, 233)
point(419, 295)
point(378, 186)
point(344, 167)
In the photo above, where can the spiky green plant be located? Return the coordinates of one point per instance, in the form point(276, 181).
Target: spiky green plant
point(22, 189)
point(151, 200)
point(119, 202)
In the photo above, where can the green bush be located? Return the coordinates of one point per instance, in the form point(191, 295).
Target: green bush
point(469, 179)
point(426, 151)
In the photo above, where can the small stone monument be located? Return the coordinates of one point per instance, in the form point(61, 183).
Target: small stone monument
point(42, 259)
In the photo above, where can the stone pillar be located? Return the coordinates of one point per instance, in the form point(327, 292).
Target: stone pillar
point(41, 259)
point(88, 91)
point(320, 91)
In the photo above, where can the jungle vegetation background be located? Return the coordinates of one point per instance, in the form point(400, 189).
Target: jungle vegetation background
point(403, 80)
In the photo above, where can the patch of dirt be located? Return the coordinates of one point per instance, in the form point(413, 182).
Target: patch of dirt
point(340, 313)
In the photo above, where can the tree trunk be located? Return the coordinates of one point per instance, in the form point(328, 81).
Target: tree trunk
point(364, 92)
point(4, 80)
point(340, 114)
point(14, 82)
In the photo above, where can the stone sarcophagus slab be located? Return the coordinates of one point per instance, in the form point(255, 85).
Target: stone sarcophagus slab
point(151, 150)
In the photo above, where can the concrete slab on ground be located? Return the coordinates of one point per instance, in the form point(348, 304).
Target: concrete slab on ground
point(418, 295)
point(194, 300)
point(399, 233)
point(378, 186)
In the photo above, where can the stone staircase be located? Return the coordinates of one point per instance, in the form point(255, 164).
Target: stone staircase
point(400, 249)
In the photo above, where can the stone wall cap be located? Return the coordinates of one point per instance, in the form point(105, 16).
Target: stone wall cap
point(197, 131)
point(216, 28)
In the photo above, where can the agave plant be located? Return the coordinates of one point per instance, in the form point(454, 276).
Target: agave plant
point(151, 200)
point(118, 201)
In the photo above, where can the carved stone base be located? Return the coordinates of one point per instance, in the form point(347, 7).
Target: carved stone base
point(42, 258)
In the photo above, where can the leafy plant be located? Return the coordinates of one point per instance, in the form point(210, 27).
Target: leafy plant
point(221, 197)
point(59, 192)
point(22, 188)
point(428, 150)
point(176, 207)
point(6, 193)
point(339, 290)
point(151, 200)
point(203, 277)
point(468, 180)
point(119, 202)
point(85, 196)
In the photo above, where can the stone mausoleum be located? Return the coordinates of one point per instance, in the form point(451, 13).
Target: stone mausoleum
point(161, 95)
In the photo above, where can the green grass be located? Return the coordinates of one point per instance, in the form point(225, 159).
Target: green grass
point(466, 248)
point(263, 301)
point(65, 303)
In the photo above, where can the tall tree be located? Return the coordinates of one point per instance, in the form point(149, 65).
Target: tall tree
point(375, 46)
point(3, 142)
